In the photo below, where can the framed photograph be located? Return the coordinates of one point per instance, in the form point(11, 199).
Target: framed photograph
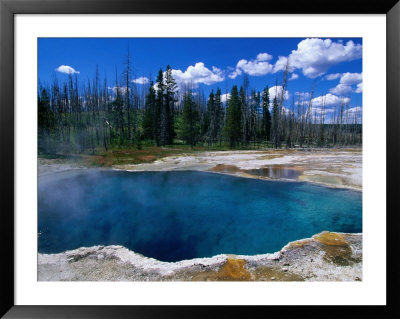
point(161, 154)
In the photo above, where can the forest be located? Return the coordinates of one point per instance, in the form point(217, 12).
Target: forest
point(91, 117)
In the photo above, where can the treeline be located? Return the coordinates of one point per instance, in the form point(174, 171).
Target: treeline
point(82, 117)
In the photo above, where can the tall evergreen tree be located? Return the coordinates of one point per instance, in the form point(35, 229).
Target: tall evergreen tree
point(169, 102)
point(149, 117)
point(266, 119)
point(275, 122)
point(160, 114)
point(210, 126)
point(219, 115)
point(46, 122)
point(234, 118)
point(244, 124)
point(191, 120)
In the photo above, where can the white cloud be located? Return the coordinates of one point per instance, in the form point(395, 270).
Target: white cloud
point(141, 80)
point(277, 91)
point(333, 76)
point(294, 76)
point(322, 111)
point(198, 74)
point(341, 89)
point(122, 89)
point(345, 84)
point(302, 95)
point(359, 88)
point(66, 69)
point(256, 67)
point(264, 57)
point(225, 97)
point(329, 99)
point(315, 56)
point(281, 64)
point(351, 78)
point(354, 110)
point(286, 110)
point(234, 74)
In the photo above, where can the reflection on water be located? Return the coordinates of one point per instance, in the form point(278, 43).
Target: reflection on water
point(277, 172)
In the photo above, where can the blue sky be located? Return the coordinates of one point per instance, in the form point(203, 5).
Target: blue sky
point(334, 65)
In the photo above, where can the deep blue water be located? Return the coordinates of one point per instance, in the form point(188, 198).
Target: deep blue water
point(173, 216)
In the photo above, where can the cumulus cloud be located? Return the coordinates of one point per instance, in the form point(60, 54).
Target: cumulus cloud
point(281, 65)
point(196, 74)
point(264, 57)
point(333, 76)
point(277, 91)
point(315, 56)
point(121, 89)
point(341, 89)
point(345, 86)
point(66, 69)
point(234, 74)
point(354, 110)
point(294, 76)
point(302, 95)
point(329, 100)
point(141, 80)
point(359, 88)
point(351, 78)
point(257, 67)
point(322, 111)
point(225, 97)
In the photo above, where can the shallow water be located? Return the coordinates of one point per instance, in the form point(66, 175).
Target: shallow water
point(276, 172)
point(180, 215)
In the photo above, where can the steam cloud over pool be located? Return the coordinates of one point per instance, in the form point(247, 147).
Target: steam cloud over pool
point(180, 215)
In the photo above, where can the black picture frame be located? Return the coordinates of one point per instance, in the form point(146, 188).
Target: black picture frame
point(8, 8)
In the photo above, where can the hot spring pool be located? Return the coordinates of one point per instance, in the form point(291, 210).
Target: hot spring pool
point(180, 215)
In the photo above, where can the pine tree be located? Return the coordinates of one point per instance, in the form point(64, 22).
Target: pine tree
point(160, 116)
point(210, 120)
point(266, 120)
point(149, 118)
point(191, 120)
point(46, 122)
point(219, 115)
point(169, 102)
point(275, 122)
point(233, 118)
point(244, 116)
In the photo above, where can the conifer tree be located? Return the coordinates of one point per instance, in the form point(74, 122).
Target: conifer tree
point(191, 120)
point(266, 119)
point(219, 115)
point(169, 110)
point(46, 122)
point(275, 122)
point(233, 118)
point(149, 118)
point(160, 116)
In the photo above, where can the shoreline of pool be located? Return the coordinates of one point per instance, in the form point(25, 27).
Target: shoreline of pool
point(326, 256)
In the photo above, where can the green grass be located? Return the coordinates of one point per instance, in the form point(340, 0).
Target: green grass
point(120, 155)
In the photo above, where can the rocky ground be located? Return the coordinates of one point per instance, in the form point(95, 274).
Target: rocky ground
point(324, 257)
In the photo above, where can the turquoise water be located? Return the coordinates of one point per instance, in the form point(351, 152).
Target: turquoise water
point(173, 216)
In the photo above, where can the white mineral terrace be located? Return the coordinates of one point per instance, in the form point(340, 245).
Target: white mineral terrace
point(333, 168)
point(324, 257)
